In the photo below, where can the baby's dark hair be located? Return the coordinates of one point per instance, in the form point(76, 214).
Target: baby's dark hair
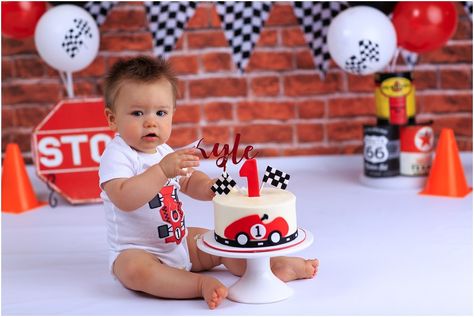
point(142, 69)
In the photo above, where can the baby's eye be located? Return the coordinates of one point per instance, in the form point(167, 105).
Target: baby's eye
point(137, 113)
point(161, 113)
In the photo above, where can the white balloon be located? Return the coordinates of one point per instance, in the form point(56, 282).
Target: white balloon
point(361, 40)
point(67, 38)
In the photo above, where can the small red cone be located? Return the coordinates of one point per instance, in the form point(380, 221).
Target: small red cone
point(17, 192)
point(446, 176)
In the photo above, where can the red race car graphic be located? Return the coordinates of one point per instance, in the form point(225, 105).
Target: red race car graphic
point(252, 231)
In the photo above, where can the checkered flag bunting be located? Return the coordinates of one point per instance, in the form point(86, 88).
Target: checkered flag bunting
point(166, 22)
point(242, 22)
point(99, 9)
point(468, 8)
point(224, 184)
point(314, 18)
point(276, 178)
point(410, 58)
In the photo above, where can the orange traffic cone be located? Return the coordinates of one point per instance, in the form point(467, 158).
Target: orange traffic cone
point(17, 193)
point(446, 176)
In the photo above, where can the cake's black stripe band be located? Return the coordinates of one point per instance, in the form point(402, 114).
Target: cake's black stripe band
point(254, 243)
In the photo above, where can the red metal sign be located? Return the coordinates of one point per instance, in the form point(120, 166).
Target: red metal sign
point(67, 146)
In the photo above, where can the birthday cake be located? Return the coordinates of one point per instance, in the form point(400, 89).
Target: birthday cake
point(267, 220)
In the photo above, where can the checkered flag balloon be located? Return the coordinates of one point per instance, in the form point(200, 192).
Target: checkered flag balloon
point(314, 19)
point(166, 22)
point(99, 9)
point(276, 177)
point(468, 8)
point(368, 53)
point(223, 184)
point(242, 22)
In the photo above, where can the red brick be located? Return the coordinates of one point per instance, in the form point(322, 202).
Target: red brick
point(307, 85)
point(304, 60)
point(464, 144)
point(22, 46)
point(183, 65)
point(214, 19)
point(95, 69)
point(455, 53)
point(281, 14)
point(8, 117)
point(456, 78)
point(31, 116)
point(216, 134)
point(227, 87)
point(84, 88)
point(444, 103)
point(293, 37)
point(31, 92)
point(425, 79)
point(200, 18)
point(215, 62)
point(248, 111)
point(351, 107)
point(216, 111)
point(267, 38)
point(29, 67)
point(325, 150)
point(311, 109)
point(464, 27)
point(265, 86)
point(462, 126)
point(7, 69)
point(357, 83)
point(310, 132)
point(206, 39)
point(345, 130)
point(261, 133)
point(187, 114)
point(181, 136)
point(181, 90)
point(125, 19)
point(277, 61)
point(138, 41)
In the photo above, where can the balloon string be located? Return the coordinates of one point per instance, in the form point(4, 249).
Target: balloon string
point(394, 60)
point(66, 78)
point(52, 201)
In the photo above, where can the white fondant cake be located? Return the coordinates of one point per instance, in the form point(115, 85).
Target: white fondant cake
point(243, 221)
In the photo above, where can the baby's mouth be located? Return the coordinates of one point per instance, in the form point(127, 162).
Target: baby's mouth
point(150, 135)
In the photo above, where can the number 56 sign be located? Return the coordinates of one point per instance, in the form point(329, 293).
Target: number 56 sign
point(67, 146)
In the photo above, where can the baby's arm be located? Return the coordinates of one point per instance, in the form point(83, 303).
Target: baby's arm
point(131, 193)
point(197, 186)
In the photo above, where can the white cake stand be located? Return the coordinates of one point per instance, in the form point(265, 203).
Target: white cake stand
point(258, 285)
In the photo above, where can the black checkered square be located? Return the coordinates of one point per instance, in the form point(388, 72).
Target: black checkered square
point(368, 53)
point(242, 22)
point(276, 177)
point(224, 184)
point(166, 21)
point(314, 19)
point(99, 9)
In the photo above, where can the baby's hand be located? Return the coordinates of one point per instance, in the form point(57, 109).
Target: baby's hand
point(177, 163)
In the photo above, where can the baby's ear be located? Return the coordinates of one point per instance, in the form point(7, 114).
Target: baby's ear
point(110, 116)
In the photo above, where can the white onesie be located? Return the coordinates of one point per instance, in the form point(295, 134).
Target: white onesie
point(158, 226)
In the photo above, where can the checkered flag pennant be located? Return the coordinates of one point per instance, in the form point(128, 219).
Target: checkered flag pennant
point(99, 9)
point(410, 58)
point(468, 8)
point(242, 22)
point(314, 18)
point(223, 184)
point(166, 22)
point(276, 177)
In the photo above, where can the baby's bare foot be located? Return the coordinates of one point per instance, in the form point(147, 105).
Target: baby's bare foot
point(293, 268)
point(213, 291)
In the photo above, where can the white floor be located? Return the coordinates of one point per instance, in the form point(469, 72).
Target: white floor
point(382, 252)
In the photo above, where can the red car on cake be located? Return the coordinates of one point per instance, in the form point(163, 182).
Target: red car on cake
point(252, 229)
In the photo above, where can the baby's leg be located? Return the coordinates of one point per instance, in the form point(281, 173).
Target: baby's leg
point(141, 271)
point(285, 268)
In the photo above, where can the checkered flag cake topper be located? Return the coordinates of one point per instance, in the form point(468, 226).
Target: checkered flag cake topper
point(242, 22)
point(315, 18)
point(166, 22)
point(276, 177)
point(223, 185)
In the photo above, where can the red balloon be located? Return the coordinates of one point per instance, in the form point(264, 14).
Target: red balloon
point(424, 26)
point(19, 19)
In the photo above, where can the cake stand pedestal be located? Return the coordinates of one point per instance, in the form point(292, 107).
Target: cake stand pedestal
point(258, 285)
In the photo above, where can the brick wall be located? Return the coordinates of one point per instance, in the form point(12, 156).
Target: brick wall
point(280, 105)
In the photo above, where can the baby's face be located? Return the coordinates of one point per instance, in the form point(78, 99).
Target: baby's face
point(143, 114)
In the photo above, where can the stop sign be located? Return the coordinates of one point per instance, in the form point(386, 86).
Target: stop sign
point(67, 146)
